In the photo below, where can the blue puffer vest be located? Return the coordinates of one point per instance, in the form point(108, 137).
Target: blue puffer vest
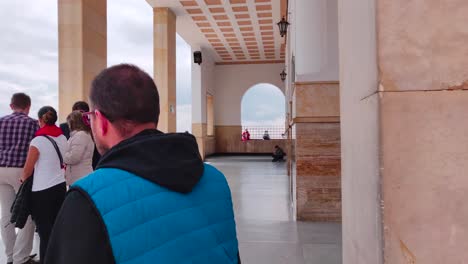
point(147, 223)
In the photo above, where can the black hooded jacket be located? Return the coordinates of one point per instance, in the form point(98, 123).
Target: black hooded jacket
point(169, 160)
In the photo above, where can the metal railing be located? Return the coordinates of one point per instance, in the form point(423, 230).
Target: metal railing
point(257, 132)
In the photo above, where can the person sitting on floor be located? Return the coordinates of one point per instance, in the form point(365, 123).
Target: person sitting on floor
point(278, 155)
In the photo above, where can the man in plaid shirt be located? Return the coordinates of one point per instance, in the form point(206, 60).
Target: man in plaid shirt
point(16, 132)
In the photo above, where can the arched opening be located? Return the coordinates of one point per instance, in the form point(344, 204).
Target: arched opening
point(263, 110)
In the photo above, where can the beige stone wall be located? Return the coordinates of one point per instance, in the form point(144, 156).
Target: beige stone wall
point(82, 34)
point(425, 153)
point(422, 59)
point(406, 103)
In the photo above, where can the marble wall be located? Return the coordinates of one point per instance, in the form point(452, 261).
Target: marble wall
point(316, 163)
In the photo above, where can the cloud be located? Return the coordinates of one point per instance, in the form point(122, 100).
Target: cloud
point(29, 57)
point(263, 104)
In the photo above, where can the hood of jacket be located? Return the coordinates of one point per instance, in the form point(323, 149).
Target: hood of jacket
point(170, 160)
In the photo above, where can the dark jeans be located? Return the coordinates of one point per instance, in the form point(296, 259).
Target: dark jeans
point(277, 157)
point(45, 206)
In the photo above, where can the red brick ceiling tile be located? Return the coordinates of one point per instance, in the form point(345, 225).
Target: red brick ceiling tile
point(240, 9)
point(263, 7)
point(207, 30)
point(189, 3)
point(199, 18)
point(213, 2)
point(194, 11)
point(241, 16)
point(266, 27)
point(224, 24)
point(217, 10)
point(265, 21)
point(264, 14)
point(220, 17)
point(246, 29)
point(244, 22)
point(227, 29)
point(203, 24)
point(248, 34)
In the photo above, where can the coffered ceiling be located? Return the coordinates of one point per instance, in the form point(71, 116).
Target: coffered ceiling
point(236, 31)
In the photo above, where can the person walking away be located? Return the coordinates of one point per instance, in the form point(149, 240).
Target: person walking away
point(79, 155)
point(16, 132)
point(48, 188)
point(278, 155)
point(151, 199)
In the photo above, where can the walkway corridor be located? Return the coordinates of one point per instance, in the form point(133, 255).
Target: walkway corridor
point(265, 226)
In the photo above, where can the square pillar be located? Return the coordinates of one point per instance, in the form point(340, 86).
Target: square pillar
point(82, 30)
point(165, 66)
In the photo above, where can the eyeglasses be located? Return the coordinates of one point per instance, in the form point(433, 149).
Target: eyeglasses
point(87, 117)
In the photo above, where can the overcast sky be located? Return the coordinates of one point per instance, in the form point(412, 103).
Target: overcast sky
point(29, 57)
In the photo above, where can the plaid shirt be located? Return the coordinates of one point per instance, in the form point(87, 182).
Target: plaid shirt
point(16, 132)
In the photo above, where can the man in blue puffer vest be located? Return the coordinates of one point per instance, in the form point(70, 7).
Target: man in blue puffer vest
point(151, 199)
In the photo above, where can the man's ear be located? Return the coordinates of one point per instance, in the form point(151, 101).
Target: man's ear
point(12, 107)
point(104, 123)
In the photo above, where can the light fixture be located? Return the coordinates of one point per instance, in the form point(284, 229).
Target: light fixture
point(283, 26)
point(283, 75)
point(197, 57)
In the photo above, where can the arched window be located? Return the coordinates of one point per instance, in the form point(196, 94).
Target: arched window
point(263, 109)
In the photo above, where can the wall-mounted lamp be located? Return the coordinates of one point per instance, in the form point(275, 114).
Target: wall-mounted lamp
point(283, 75)
point(197, 57)
point(283, 27)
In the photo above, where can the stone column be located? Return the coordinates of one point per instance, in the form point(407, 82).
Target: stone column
point(405, 140)
point(315, 113)
point(82, 49)
point(165, 66)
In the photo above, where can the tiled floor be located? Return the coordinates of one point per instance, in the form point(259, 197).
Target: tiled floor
point(266, 230)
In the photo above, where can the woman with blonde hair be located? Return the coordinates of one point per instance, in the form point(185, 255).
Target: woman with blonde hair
point(79, 157)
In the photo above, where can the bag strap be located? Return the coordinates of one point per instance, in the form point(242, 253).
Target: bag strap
point(56, 149)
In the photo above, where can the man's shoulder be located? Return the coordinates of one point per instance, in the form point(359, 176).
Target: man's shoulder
point(18, 118)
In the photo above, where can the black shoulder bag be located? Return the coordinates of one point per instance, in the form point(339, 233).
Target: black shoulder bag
point(62, 165)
